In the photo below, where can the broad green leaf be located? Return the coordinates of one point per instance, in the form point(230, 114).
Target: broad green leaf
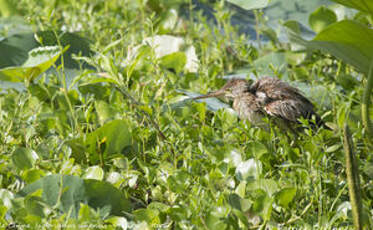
point(32, 175)
point(285, 196)
point(174, 61)
point(321, 18)
point(100, 194)
point(258, 149)
point(104, 111)
point(363, 5)
point(268, 185)
point(34, 206)
point(234, 201)
point(111, 138)
point(214, 222)
point(77, 45)
point(348, 40)
point(272, 64)
point(67, 192)
point(151, 216)
point(18, 45)
point(24, 158)
point(94, 172)
point(250, 4)
point(262, 204)
point(39, 60)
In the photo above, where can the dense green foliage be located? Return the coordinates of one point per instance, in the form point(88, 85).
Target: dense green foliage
point(107, 139)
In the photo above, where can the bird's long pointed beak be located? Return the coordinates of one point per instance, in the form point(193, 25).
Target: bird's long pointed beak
point(212, 94)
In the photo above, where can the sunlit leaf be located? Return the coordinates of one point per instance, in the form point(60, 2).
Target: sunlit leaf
point(363, 5)
point(321, 18)
point(94, 172)
point(174, 61)
point(39, 60)
point(285, 196)
point(248, 170)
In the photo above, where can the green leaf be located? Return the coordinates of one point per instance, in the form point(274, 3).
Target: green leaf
point(174, 61)
point(17, 46)
point(363, 5)
point(100, 194)
point(148, 215)
point(285, 196)
point(39, 60)
point(67, 192)
point(262, 204)
point(348, 40)
point(94, 172)
point(77, 45)
point(34, 206)
point(213, 221)
point(6, 197)
point(321, 18)
point(235, 201)
point(272, 64)
point(104, 111)
point(257, 149)
point(111, 138)
point(250, 4)
point(32, 175)
point(24, 158)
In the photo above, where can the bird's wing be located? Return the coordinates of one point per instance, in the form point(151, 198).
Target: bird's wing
point(275, 89)
point(290, 110)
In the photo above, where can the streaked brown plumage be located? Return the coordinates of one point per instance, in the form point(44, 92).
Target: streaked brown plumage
point(268, 97)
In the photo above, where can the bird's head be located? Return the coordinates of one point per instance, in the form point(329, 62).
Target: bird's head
point(233, 88)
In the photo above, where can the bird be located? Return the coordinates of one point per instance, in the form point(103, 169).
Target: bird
point(269, 97)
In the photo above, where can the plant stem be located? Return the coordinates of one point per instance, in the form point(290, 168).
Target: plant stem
point(366, 104)
point(352, 172)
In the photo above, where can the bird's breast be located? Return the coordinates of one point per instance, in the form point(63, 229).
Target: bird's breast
point(247, 109)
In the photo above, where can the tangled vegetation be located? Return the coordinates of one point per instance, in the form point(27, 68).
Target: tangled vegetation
point(97, 129)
